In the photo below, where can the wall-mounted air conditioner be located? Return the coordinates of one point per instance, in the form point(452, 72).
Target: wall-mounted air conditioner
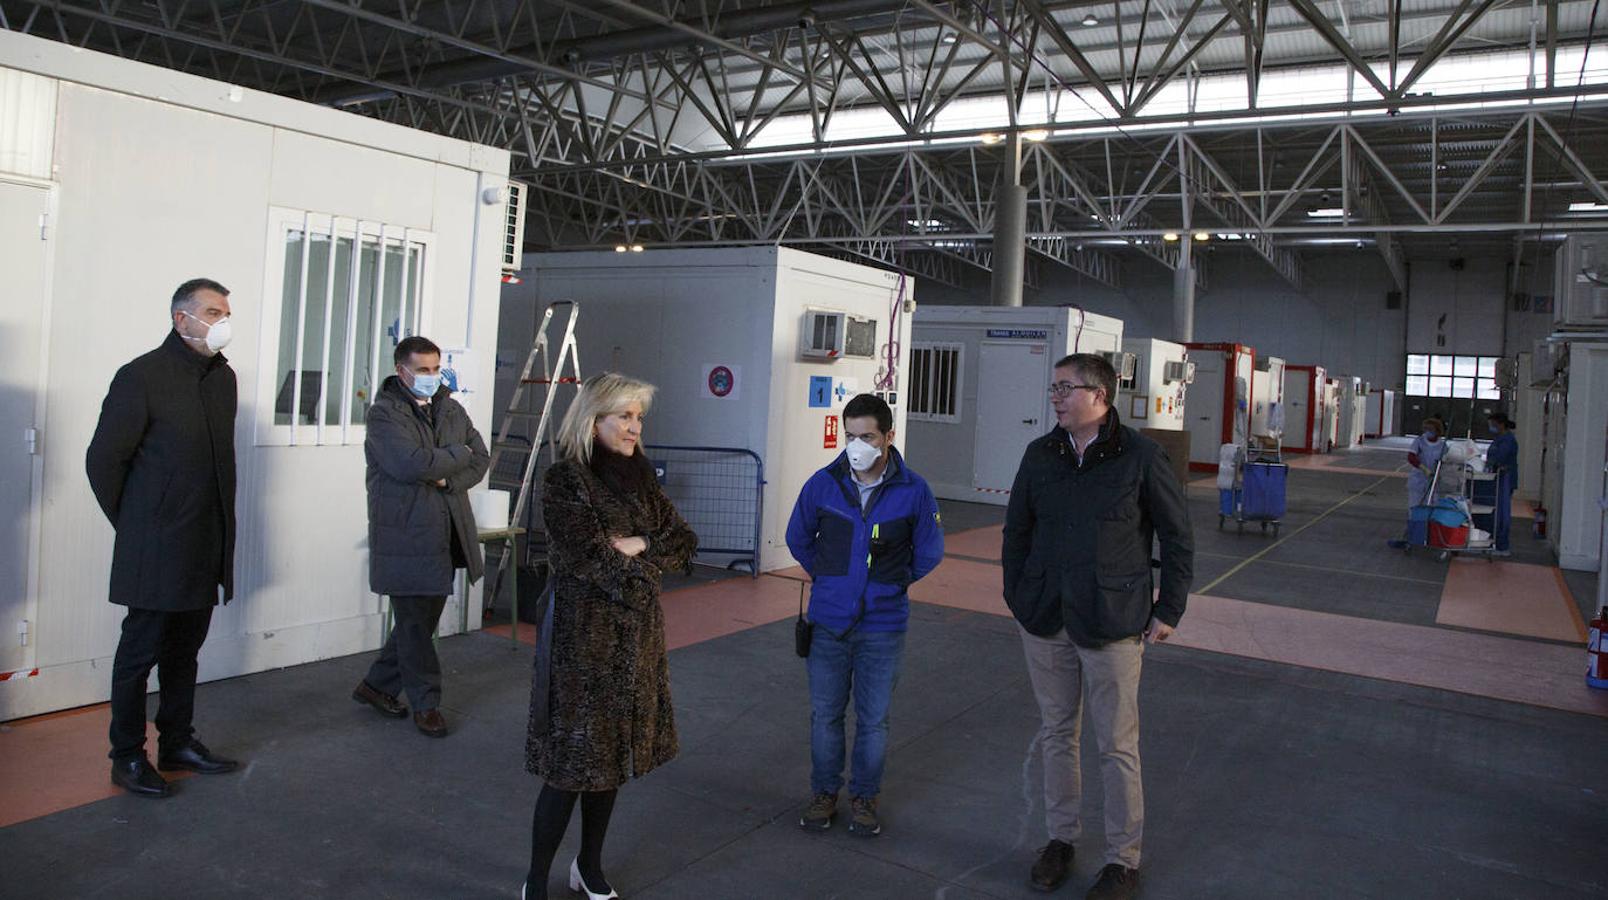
point(1124, 363)
point(1179, 371)
point(829, 334)
point(1582, 283)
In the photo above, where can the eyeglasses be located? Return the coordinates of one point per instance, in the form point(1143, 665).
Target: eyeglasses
point(1065, 388)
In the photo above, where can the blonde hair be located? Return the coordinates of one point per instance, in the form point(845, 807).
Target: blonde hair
point(601, 395)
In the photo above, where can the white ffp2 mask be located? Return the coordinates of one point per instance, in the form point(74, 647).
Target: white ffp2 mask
point(218, 333)
point(862, 456)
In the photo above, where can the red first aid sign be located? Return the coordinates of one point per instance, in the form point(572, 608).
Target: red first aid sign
point(829, 437)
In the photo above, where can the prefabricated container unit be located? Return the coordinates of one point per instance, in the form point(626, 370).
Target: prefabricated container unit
point(1575, 504)
point(1218, 408)
point(979, 389)
point(751, 348)
point(1306, 408)
point(1154, 397)
point(143, 177)
point(1267, 399)
point(1353, 410)
point(1331, 418)
point(1379, 419)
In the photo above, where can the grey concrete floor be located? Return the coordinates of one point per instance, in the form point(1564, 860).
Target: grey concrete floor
point(1262, 780)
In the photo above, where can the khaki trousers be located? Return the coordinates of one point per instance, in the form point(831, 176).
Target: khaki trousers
point(1105, 680)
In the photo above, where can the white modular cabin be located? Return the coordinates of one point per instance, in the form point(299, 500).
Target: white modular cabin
point(1380, 418)
point(979, 390)
point(1353, 411)
point(1267, 399)
point(1306, 403)
point(1155, 396)
point(1577, 489)
point(722, 333)
point(1218, 408)
point(119, 181)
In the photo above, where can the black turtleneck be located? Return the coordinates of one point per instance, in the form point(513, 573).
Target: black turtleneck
point(627, 476)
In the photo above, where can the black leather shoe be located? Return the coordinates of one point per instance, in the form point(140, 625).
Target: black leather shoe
point(1116, 882)
point(380, 700)
point(1054, 864)
point(195, 757)
point(431, 722)
point(138, 778)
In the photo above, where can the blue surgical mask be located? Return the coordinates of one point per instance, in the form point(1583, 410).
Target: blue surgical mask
point(1495, 429)
point(425, 386)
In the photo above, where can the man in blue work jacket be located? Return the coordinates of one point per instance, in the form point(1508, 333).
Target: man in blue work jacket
point(865, 528)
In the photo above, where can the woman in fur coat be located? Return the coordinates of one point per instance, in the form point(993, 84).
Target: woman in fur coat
point(600, 712)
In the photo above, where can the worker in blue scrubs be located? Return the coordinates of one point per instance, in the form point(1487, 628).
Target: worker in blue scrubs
point(1502, 457)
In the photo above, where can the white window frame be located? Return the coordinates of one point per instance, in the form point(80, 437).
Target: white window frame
point(283, 221)
point(912, 413)
point(1451, 380)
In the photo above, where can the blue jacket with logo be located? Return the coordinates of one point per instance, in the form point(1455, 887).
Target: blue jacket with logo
point(861, 562)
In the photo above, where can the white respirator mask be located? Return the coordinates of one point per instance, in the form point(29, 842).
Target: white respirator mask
point(862, 456)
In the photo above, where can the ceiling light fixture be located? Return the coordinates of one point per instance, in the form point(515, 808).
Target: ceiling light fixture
point(992, 138)
point(1036, 134)
point(1588, 207)
point(950, 38)
point(1330, 212)
point(1170, 236)
point(1089, 21)
point(1202, 236)
point(636, 248)
point(620, 248)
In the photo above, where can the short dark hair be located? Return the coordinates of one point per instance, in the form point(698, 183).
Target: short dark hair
point(414, 344)
point(185, 295)
point(870, 405)
point(1093, 369)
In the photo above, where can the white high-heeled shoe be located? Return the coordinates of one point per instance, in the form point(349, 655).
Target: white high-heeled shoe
point(579, 886)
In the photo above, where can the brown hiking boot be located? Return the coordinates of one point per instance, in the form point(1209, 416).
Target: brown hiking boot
point(820, 812)
point(865, 822)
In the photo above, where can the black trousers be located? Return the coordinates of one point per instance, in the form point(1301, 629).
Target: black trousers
point(169, 641)
point(408, 660)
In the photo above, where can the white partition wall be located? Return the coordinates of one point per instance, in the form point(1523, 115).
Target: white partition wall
point(150, 177)
point(676, 317)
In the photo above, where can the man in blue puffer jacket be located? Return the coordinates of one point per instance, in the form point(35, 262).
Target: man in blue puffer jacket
point(865, 528)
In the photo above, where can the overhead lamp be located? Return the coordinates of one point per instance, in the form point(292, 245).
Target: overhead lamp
point(620, 248)
point(1036, 134)
point(1202, 236)
point(1588, 207)
point(1327, 212)
point(950, 37)
point(992, 138)
point(1089, 21)
point(636, 248)
point(1170, 236)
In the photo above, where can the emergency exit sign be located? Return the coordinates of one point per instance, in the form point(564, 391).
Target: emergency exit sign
point(1021, 334)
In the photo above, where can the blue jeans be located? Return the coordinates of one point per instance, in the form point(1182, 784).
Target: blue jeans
point(868, 663)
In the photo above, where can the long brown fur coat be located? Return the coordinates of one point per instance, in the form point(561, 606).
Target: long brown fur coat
point(608, 693)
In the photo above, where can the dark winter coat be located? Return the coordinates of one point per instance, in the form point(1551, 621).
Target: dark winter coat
point(1077, 538)
point(607, 697)
point(419, 533)
point(162, 466)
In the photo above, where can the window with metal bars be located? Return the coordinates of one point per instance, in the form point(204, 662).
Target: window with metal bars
point(341, 293)
point(933, 394)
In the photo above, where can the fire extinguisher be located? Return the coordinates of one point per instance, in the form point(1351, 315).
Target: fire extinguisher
point(1597, 651)
point(1539, 525)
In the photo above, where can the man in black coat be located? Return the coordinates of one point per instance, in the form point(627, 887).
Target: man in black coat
point(423, 457)
point(162, 466)
point(1087, 502)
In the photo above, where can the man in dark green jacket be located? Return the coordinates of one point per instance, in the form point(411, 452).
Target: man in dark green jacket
point(1088, 500)
point(423, 457)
